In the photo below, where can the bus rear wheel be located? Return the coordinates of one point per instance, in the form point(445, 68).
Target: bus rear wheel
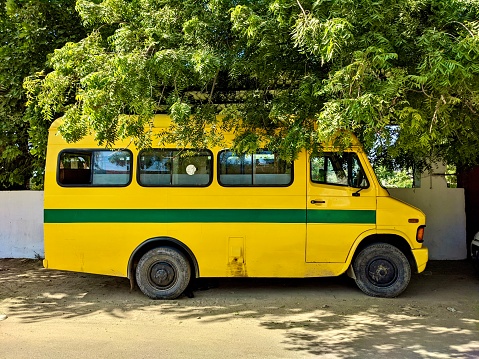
point(382, 270)
point(163, 273)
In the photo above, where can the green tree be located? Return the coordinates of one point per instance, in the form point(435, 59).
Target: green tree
point(394, 179)
point(29, 30)
point(403, 75)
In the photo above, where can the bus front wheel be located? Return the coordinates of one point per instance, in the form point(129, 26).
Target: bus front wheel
point(163, 273)
point(382, 270)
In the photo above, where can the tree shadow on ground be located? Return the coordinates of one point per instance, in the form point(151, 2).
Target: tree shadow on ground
point(437, 317)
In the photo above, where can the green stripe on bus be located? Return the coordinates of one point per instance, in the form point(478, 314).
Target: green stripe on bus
point(173, 215)
point(207, 216)
point(342, 216)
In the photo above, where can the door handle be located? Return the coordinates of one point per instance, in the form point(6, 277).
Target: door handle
point(314, 201)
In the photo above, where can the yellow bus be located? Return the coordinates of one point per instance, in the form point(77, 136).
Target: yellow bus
point(164, 216)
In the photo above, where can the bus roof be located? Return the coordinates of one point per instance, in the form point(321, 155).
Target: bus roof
point(159, 121)
point(164, 121)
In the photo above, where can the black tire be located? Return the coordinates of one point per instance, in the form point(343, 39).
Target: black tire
point(163, 273)
point(382, 270)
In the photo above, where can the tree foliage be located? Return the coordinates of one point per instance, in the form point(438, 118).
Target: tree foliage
point(29, 30)
point(287, 74)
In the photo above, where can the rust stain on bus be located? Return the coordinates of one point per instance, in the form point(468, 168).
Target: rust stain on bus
point(237, 268)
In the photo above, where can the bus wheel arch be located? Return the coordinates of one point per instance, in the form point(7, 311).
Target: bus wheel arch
point(382, 265)
point(393, 239)
point(157, 242)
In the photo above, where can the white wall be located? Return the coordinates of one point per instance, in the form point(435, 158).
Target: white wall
point(445, 234)
point(21, 224)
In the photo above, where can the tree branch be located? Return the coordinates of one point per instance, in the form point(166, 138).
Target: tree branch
point(301, 7)
point(464, 26)
point(213, 87)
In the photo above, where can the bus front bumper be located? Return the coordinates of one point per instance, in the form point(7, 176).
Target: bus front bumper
point(421, 256)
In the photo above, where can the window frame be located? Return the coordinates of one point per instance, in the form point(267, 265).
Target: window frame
point(218, 173)
point(349, 170)
point(90, 152)
point(211, 168)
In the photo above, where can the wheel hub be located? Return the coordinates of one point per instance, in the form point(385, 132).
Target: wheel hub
point(162, 274)
point(382, 272)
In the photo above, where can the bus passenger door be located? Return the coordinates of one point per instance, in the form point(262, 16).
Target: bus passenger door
point(341, 204)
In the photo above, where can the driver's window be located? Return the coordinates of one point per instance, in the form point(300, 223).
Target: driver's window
point(338, 169)
point(358, 177)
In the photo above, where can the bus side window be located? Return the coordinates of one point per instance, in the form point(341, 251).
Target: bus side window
point(160, 167)
point(262, 168)
point(74, 169)
point(94, 168)
point(111, 168)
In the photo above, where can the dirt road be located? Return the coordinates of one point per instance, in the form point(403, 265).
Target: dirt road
point(52, 314)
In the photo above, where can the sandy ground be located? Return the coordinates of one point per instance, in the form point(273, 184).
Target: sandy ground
point(53, 314)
